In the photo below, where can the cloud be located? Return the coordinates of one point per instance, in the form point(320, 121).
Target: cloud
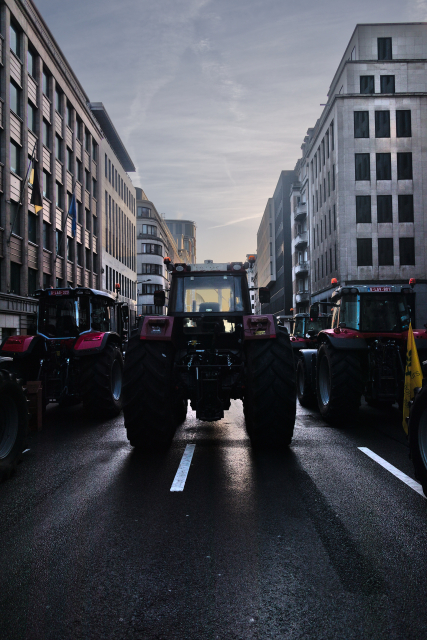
point(230, 222)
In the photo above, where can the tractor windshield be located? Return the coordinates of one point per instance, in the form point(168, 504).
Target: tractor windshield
point(61, 317)
point(375, 312)
point(304, 325)
point(209, 294)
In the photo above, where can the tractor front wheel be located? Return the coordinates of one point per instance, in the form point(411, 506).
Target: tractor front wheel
point(13, 422)
point(101, 381)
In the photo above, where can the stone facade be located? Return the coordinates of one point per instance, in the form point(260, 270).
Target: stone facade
point(365, 190)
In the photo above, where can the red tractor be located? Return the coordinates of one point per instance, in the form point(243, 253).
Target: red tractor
point(209, 349)
point(77, 351)
point(13, 419)
point(364, 352)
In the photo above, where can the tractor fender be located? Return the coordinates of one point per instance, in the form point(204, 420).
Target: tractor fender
point(259, 327)
point(157, 328)
point(347, 339)
point(94, 342)
point(21, 346)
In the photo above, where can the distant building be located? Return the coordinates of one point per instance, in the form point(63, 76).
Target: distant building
point(184, 234)
point(154, 242)
point(364, 167)
point(250, 272)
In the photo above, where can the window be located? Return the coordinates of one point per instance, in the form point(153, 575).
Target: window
point(46, 280)
point(80, 254)
point(79, 170)
point(46, 184)
point(385, 252)
point(384, 209)
point(404, 166)
point(58, 147)
point(15, 40)
point(94, 189)
point(88, 219)
point(70, 249)
point(79, 212)
point(384, 49)
point(15, 278)
point(330, 259)
point(403, 124)
point(31, 63)
point(143, 212)
point(15, 157)
point(32, 227)
point(32, 281)
point(59, 248)
point(387, 84)
point(32, 117)
point(149, 288)
point(367, 84)
point(333, 177)
point(70, 163)
point(330, 225)
point(329, 183)
point(58, 99)
point(155, 249)
point(382, 124)
point(106, 166)
point(87, 180)
point(407, 251)
point(45, 82)
point(45, 132)
point(87, 141)
point(87, 258)
point(406, 208)
point(69, 115)
point(15, 98)
point(152, 230)
point(362, 166)
point(94, 150)
point(383, 166)
point(335, 218)
point(79, 129)
point(332, 136)
point(58, 194)
point(363, 209)
point(364, 252)
point(361, 124)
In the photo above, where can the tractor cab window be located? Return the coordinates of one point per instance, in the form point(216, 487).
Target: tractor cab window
point(299, 327)
point(210, 294)
point(381, 312)
point(61, 317)
point(349, 312)
point(102, 318)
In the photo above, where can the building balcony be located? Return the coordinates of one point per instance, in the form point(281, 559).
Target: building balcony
point(302, 296)
point(301, 211)
point(301, 239)
point(302, 268)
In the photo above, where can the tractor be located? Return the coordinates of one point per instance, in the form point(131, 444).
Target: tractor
point(76, 352)
point(362, 354)
point(208, 349)
point(13, 419)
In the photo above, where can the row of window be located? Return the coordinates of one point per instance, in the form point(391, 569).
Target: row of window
point(145, 289)
point(385, 252)
point(119, 233)
point(321, 196)
point(149, 230)
point(405, 208)
point(323, 227)
point(382, 124)
point(323, 151)
point(383, 166)
point(143, 212)
point(387, 84)
point(127, 287)
point(153, 269)
point(323, 265)
point(154, 249)
point(118, 184)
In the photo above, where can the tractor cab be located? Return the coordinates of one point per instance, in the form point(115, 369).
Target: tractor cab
point(372, 309)
point(306, 326)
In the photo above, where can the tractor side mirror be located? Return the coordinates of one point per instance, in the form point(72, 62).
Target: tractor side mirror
point(314, 311)
point(159, 298)
point(264, 295)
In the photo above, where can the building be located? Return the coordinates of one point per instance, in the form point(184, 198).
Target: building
point(45, 114)
point(366, 192)
point(154, 242)
point(117, 206)
point(274, 248)
point(250, 272)
point(184, 234)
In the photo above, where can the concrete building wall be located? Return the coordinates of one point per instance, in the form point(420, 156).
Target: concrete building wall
point(266, 264)
point(184, 234)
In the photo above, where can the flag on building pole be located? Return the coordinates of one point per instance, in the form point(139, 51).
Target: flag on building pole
point(413, 376)
point(36, 195)
point(72, 212)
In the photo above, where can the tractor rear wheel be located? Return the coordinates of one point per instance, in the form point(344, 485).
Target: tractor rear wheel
point(417, 431)
point(13, 422)
point(339, 383)
point(101, 382)
point(150, 413)
point(305, 392)
point(269, 402)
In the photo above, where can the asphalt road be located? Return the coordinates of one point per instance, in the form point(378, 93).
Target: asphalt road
point(318, 541)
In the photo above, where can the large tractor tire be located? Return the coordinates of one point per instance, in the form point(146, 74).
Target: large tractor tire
point(101, 382)
point(13, 422)
point(270, 395)
point(148, 401)
point(417, 431)
point(305, 391)
point(339, 384)
point(180, 410)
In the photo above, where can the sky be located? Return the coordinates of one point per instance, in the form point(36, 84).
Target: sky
point(212, 98)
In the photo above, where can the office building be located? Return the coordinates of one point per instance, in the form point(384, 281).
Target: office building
point(184, 234)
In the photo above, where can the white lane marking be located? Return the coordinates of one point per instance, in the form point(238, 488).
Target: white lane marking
point(399, 474)
point(183, 469)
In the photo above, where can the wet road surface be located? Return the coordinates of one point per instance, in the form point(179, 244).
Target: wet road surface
point(318, 541)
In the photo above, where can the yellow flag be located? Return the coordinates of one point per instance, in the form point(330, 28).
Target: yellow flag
point(413, 376)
